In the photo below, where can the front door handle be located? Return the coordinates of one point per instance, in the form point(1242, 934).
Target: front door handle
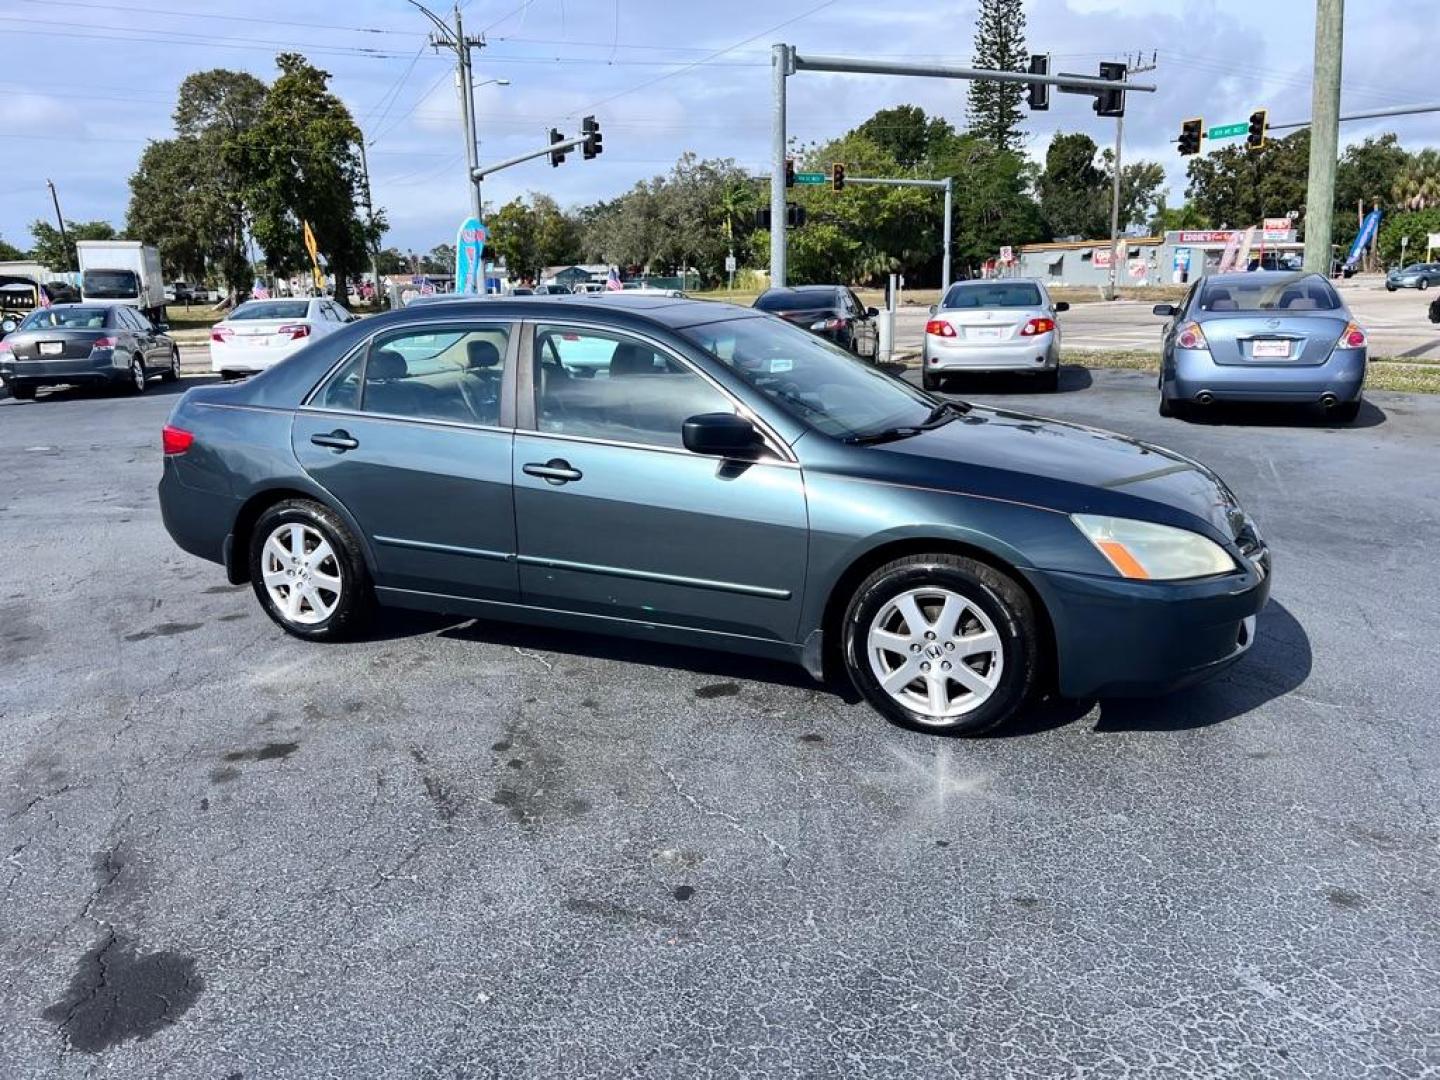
point(554, 471)
point(336, 440)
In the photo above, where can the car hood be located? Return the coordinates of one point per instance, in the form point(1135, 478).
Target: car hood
point(1067, 467)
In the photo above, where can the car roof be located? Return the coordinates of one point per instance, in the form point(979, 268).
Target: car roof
point(801, 289)
point(1260, 277)
point(672, 312)
point(996, 281)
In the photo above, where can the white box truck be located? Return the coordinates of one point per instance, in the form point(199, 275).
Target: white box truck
point(122, 272)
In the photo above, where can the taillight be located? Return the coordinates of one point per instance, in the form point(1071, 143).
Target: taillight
point(1037, 326)
point(175, 440)
point(221, 334)
point(940, 328)
point(1190, 336)
point(5, 346)
point(295, 330)
point(104, 343)
point(828, 324)
point(1354, 337)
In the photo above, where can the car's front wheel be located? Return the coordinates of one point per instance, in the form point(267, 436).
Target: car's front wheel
point(1423, 284)
point(942, 643)
point(308, 572)
point(22, 391)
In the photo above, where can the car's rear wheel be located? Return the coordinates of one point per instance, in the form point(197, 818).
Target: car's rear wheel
point(942, 643)
point(22, 391)
point(931, 381)
point(1050, 380)
point(135, 384)
point(308, 573)
point(1345, 413)
point(172, 373)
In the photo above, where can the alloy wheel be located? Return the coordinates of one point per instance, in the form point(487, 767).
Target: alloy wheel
point(301, 574)
point(935, 653)
point(137, 372)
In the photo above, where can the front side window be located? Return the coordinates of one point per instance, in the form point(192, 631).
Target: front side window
point(609, 386)
point(813, 380)
point(438, 374)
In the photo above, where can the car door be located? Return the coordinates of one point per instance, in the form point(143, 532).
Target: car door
point(865, 328)
point(615, 518)
point(155, 348)
point(413, 434)
point(127, 321)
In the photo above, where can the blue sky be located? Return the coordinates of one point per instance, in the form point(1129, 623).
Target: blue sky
point(87, 82)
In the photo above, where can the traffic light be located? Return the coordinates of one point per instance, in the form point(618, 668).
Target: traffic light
point(591, 147)
point(1259, 121)
point(794, 215)
point(556, 156)
point(1039, 92)
point(837, 176)
point(762, 218)
point(1111, 102)
point(1190, 132)
point(789, 172)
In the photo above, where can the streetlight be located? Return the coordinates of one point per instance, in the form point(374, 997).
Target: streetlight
point(480, 202)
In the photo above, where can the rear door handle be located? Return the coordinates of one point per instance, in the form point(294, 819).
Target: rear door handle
point(554, 471)
point(336, 440)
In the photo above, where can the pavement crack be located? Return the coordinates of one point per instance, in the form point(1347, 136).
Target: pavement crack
point(528, 655)
point(729, 819)
point(38, 799)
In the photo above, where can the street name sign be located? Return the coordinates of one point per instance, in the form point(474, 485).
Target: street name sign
point(811, 178)
point(1228, 131)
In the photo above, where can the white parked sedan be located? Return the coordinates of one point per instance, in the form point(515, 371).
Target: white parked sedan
point(994, 326)
point(259, 333)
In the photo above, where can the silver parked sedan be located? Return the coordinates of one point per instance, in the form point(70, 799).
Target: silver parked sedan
point(993, 326)
point(1276, 337)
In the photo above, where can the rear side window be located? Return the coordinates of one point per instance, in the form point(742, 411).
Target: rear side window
point(438, 374)
point(995, 294)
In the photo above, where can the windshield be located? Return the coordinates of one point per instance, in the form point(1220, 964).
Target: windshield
point(92, 318)
point(995, 294)
point(818, 383)
point(110, 284)
point(796, 299)
point(270, 309)
point(1283, 294)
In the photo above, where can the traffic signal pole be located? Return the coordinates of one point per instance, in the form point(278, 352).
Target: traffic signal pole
point(1324, 135)
point(785, 61)
point(947, 185)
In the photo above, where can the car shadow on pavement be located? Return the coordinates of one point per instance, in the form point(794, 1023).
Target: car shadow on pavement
point(88, 392)
point(1278, 662)
point(392, 623)
point(1271, 415)
point(1073, 378)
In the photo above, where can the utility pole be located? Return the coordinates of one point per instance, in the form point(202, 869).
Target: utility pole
point(1324, 134)
point(1135, 68)
point(782, 59)
point(456, 41)
point(374, 244)
point(60, 220)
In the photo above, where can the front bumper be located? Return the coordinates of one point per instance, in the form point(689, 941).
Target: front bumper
point(98, 367)
point(1115, 637)
point(1193, 372)
point(1038, 353)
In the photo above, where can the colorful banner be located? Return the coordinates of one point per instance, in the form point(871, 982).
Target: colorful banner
point(470, 244)
point(1362, 238)
point(1227, 257)
point(314, 251)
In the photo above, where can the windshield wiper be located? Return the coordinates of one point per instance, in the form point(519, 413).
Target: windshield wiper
point(940, 415)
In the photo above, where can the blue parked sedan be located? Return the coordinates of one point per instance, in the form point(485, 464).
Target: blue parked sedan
point(696, 473)
point(1270, 337)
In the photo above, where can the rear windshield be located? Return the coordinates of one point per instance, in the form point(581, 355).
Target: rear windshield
point(795, 299)
point(270, 309)
point(110, 284)
point(66, 319)
point(1287, 294)
point(995, 294)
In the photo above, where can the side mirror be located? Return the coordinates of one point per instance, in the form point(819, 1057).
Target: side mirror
point(934, 308)
point(872, 312)
point(1166, 310)
point(719, 434)
point(163, 327)
point(1063, 305)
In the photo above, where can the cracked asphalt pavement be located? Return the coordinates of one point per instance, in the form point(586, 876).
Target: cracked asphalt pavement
point(469, 850)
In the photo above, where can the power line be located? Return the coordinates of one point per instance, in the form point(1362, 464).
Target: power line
point(131, 9)
point(180, 38)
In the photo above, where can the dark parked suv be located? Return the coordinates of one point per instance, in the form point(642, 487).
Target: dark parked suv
point(831, 311)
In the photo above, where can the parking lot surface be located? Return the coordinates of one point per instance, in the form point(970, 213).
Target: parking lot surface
point(469, 850)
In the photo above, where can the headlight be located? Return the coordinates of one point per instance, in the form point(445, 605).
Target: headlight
point(1146, 551)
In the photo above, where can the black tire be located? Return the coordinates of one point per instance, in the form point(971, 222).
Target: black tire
point(357, 598)
point(1049, 381)
point(172, 373)
point(1345, 413)
point(931, 381)
point(1389, 288)
point(1004, 603)
point(135, 380)
point(1167, 407)
point(1424, 284)
point(22, 391)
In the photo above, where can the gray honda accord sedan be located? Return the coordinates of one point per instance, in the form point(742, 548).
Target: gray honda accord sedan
point(696, 473)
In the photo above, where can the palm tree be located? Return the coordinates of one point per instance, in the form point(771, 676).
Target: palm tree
point(1418, 185)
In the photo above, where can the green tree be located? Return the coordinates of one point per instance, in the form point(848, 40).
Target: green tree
point(1236, 187)
point(1074, 192)
point(557, 235)
point(440, 260)
point(1415, 227)
point(515, 239)
point(1368, 172)
point(300, 164)
point(49, 250)
point(1168, 218)
point(1417, 184)
point(995, 107)
point(9, 251)
point(1141, 184)
point(906, 134)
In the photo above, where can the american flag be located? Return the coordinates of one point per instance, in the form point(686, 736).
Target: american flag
point(258, 291)
point(612, 283)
